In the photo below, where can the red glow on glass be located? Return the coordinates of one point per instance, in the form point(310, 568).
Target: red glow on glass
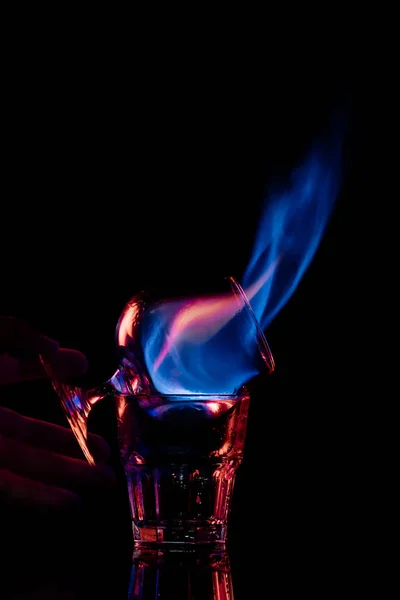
point(127, 323)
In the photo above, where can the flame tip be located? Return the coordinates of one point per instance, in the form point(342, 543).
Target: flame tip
point(208, 343)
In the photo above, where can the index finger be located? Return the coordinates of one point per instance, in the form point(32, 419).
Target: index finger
point(18, 338)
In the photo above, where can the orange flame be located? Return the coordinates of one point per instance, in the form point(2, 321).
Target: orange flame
point(198, 320)
point(201, 319)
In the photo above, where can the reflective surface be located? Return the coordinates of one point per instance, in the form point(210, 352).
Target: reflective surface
point(180, 575)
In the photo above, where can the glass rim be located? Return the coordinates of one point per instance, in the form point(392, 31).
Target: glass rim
point(263, 344)
point(241, 394)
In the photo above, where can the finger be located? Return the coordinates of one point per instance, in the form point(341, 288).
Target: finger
point(68, 363)
point(65, 363)
point(18, 338)
point(49, 436)
point(22, 492)
point(51, 468)
point(9, 369)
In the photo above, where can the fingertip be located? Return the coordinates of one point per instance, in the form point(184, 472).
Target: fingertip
point(99, 447)
point(100, 476)
point(68, 363)
point(106, 476)
point(47, 346)
point(65, 499)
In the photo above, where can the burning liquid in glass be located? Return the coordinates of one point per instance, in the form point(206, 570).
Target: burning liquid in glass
point(180, 460)
point(181, 386)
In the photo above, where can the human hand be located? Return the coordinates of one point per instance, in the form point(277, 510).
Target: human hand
point(40, 462)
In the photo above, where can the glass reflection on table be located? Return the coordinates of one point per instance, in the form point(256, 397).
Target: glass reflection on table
point(180, 574)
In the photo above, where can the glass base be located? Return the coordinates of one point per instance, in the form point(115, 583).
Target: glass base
point(186, 533)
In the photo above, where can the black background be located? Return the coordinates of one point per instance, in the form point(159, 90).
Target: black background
point(115, 179)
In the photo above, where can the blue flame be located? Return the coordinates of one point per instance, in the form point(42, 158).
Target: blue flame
point(206, 346)
point(292, 225)
point(212, 345)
